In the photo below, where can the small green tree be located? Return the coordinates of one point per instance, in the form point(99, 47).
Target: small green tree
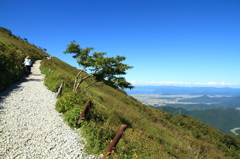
point(108, 70)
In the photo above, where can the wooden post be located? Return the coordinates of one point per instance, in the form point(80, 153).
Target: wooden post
point(115, 140)
point(84, 112)
point(59, 93)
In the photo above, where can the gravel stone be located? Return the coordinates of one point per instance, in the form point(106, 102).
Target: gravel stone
point(30, 127)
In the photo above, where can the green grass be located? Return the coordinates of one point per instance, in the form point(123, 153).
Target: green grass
point(13, 50)
point(150, 133)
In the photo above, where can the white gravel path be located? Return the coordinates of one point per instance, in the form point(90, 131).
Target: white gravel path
point(30, 127)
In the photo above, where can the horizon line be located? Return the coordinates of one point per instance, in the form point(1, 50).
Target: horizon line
point(186, 84)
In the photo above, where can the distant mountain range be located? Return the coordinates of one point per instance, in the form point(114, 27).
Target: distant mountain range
point(222, 119)
point(176, 90)
point(207, 99)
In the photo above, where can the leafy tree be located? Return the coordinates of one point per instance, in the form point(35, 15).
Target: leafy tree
point(108, 70)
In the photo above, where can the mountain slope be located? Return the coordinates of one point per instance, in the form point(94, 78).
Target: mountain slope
point(13, 50)
point(150, 133)
point(148, 129)
point(222, 119)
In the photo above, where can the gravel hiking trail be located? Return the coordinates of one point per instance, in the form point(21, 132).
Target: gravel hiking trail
point(31, 128)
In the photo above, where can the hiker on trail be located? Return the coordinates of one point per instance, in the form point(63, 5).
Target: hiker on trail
point(27, 64)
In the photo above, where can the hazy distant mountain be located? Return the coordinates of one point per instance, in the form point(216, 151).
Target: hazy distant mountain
point(207, 99)
point(141, 90)
point(176, 90)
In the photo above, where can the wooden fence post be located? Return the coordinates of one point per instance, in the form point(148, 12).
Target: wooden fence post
point(59, 93)
point(115, 140)
point(84, 112)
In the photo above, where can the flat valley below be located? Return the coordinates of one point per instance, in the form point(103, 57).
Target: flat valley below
point(164, 100)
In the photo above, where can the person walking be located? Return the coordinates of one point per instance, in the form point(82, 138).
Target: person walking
point(27, 64)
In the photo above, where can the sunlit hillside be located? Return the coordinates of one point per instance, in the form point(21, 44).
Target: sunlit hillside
point(13, 50)
point(150, 133)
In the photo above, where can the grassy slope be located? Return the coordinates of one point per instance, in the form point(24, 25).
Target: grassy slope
point(150, 133)
point(13, 50)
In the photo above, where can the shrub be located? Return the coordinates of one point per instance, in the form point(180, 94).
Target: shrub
point(71, 116)
point(12, 54)
point(11, 67)
point(53, 81)
point(68, 101)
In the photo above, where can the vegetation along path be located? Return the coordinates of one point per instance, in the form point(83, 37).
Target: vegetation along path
point(30, 127)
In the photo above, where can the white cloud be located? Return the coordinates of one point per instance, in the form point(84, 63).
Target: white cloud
point(158, 83)
point(171, 83)
point(223, 83)
point(216, 84)
point(208, 83)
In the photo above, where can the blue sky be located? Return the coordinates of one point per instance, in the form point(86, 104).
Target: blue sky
point(170, 42)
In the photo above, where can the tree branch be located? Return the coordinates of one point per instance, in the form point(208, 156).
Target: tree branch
point(76, 78)
point(92, 85)
point(90, 75)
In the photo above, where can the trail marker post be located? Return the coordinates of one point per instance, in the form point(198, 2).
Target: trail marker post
point(59, 93)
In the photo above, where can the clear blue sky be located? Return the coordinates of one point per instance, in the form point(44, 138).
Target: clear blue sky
point(169, 42)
